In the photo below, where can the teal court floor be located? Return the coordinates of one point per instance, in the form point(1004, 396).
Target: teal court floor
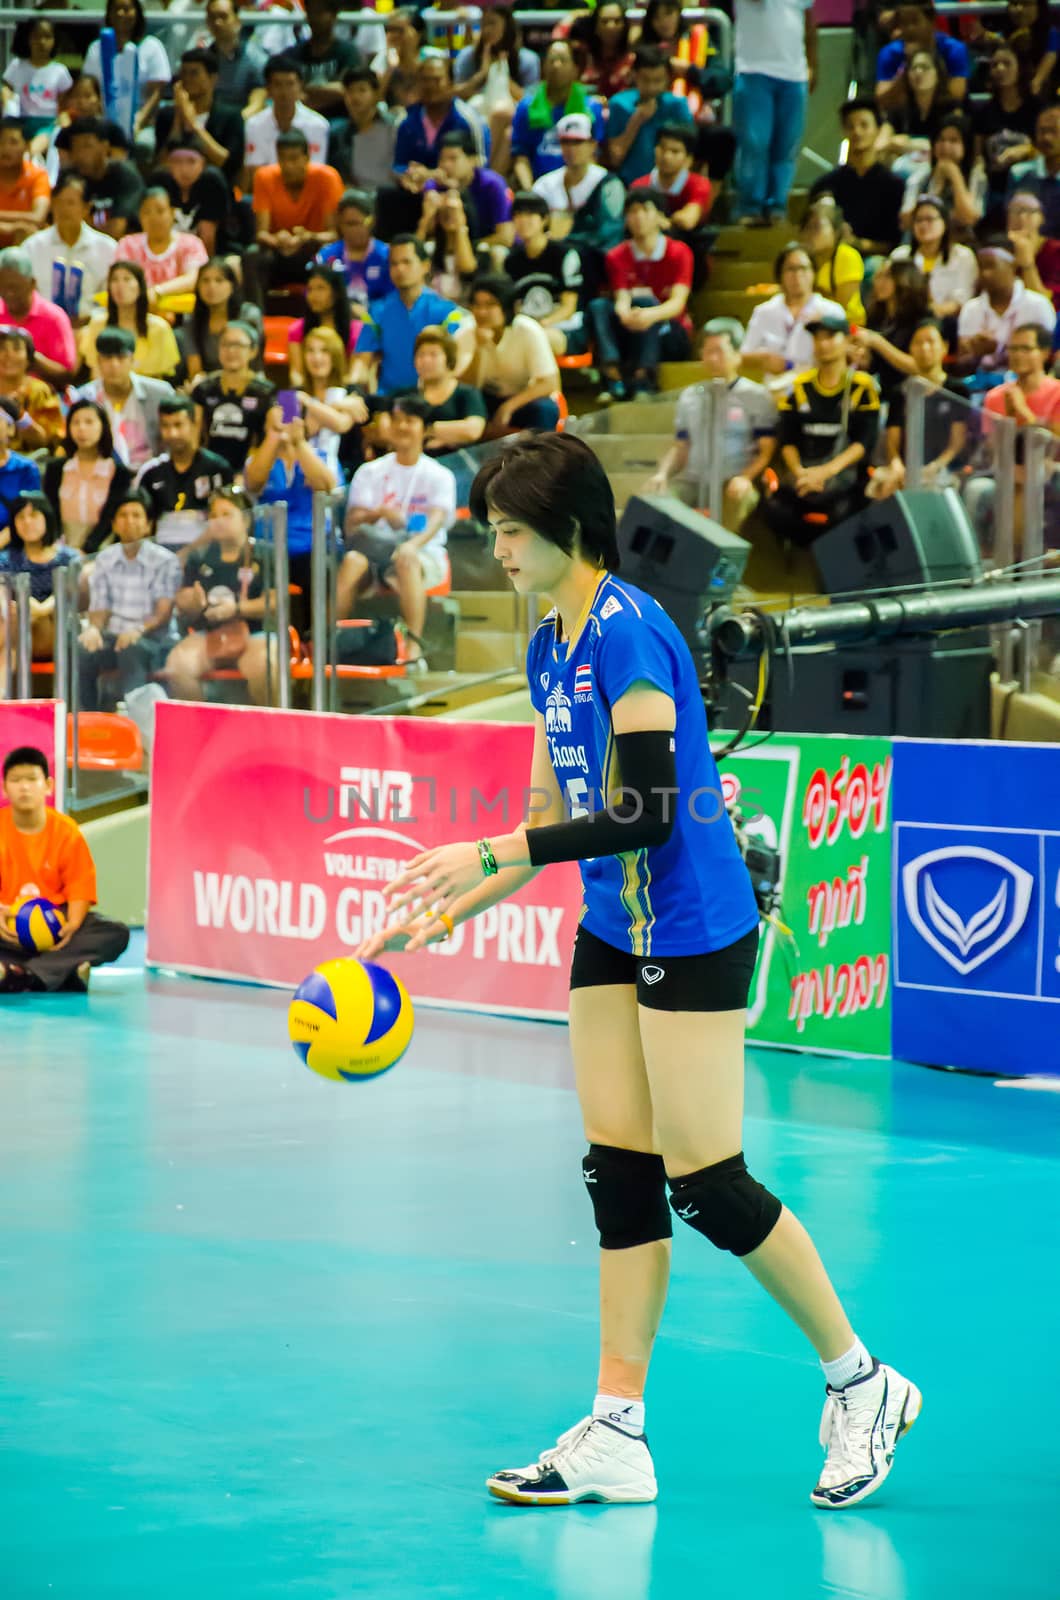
point(263, 1336)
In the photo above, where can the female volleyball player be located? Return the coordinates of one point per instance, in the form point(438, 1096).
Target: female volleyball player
point(660, 975)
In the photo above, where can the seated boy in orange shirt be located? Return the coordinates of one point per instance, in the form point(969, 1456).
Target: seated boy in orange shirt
point(44, 853)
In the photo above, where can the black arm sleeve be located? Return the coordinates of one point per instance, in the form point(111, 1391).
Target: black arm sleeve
point(641, 818)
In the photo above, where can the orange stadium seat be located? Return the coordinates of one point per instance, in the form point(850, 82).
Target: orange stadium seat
point(106, 742)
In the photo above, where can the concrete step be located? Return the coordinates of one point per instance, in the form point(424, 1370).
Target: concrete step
point(625, 452)
point(637, 416)
point(487, 650)
point(485, 609)
point(752, 244)
point(730, 273)
point(733, 303)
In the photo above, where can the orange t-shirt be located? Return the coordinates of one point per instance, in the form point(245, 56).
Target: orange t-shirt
point(55, 863)
point(320, 195)
point(30, 185)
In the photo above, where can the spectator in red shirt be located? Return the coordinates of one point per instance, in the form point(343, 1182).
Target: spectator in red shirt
point(1032, 399)
point(55, 357)
point(688, 194)
point(1037, 257)
point(646, 321)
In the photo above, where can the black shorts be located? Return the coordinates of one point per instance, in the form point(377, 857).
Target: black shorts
point(719, 981)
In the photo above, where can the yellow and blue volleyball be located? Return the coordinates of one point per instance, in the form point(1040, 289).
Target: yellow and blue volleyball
point(37, 924)
point(350, 1020)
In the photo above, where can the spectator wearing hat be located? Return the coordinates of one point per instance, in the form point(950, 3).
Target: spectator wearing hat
point(196, 114)
point(645, 321)
point(750, 432)
point(778, 335)
point(634, 116)
point(547, 274)
point(55, 351)
point(985, 324)
point(295, 205)
point(828, 426)
point(40, 424)
point(130, 400)
point(586, 201)
point(536, 137)
point(70, 260)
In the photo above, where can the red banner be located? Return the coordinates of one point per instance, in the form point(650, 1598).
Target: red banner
point(274, 833)
point(39, 723)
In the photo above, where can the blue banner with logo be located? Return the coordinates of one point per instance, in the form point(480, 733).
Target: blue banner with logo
point(976, 899)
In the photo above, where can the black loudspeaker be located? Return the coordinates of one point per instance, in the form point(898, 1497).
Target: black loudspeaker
point(682, 559)
point(919, 539)
point(918, 688)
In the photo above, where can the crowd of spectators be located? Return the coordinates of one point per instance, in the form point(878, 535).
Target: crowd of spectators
point(444, 228)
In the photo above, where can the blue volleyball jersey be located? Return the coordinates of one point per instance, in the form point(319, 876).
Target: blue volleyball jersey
point(692, 894)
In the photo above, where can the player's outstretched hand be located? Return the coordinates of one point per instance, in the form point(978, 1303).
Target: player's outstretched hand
point(412, 934)
point(436, 878)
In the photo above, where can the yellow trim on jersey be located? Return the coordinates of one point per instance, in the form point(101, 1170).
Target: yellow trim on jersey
point(634, 893)
point(863, 394)
point(576, 632)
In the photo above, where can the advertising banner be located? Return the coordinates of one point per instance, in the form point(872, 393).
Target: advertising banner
point(274, 833)
point(40, 723)
point(824, 802)
point(976, 891)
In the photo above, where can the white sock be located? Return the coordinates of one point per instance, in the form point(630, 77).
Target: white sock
point(844, 1369)
point(621, 1413)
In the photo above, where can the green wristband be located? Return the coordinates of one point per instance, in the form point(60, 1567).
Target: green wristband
point(488, 859)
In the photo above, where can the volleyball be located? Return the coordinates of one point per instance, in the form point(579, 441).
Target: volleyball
point(36, 924)
point(350, 1020)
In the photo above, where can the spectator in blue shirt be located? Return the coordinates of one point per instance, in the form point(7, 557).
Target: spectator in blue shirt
point(916, 23)
point(363, 260)
point(635, 115)
point(535, 142)
point(435, 112)
point(386, 345)
point(18, 476)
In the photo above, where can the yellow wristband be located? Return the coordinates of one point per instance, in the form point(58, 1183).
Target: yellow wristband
point(447, 922)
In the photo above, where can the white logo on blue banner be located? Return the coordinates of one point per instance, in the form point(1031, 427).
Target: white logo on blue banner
point(968, 940)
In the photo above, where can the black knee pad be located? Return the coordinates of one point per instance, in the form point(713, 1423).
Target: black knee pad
point(727, 1205)
point(628, 1192)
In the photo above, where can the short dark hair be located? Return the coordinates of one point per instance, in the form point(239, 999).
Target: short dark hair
point(158, 191)
point(459, 139)
point(644, 195)
point(87, 127)
point(500, 286)
point(679, 133)
point(410, 238)
point(293, 139)
point(647, 57)
point(1043, 340)
point(928, 322)
point(356, 200)
point(7, 123)
point(202, 56)
point(283, 63)
point(860, 102)
point(793, 247)
point(359, 75)
point(412, 405)
point(135, 497)
point(12, 335)
point(115, 341)
point(556, 485)
point(173, 405)
point(115, 135)
point(11, 408)
point(70, 178)
point(26, 755)
point(526, 200)
point(36, 501)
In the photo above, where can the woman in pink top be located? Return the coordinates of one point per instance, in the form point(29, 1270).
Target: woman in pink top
point(327, 306)
point(170, 259)
point(86, 480)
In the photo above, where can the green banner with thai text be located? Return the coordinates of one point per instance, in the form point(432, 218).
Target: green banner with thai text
point(824, 802)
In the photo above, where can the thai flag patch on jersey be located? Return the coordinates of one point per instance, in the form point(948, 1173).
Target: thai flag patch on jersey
point(583, 679)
